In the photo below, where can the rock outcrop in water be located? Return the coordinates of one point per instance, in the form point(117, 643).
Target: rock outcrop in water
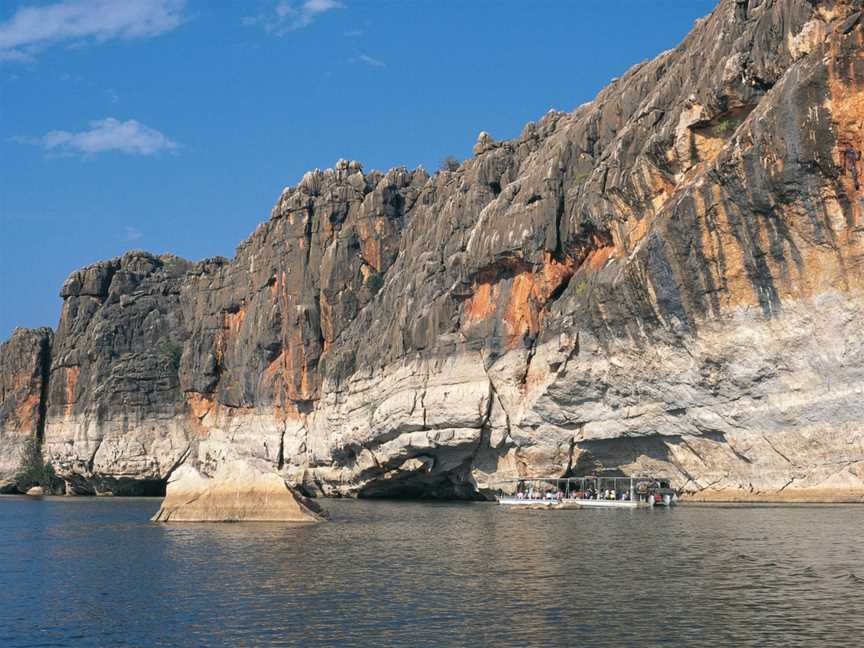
point(668, 279)
point(235, 492)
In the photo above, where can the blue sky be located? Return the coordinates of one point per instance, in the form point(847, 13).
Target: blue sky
point(172, 125)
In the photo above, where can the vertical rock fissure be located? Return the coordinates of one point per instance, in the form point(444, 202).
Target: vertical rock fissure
point(661, 255)
point(45, 377)
point(559, 214)
point(280, 456)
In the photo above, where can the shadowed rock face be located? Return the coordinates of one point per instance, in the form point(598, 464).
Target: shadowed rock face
point(115, 415)
point(24, 362)
point(667, 279)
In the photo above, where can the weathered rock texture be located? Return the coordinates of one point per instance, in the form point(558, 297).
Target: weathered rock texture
point(667, 279)
point(116, 416)
point(25, 359)
point(237, 492)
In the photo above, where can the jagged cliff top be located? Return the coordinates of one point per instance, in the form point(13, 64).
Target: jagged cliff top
point(635, 269)
point(610, 131)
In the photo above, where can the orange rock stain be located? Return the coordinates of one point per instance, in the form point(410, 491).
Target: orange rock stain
point(846, 87)
point(26, 413)
point(71, 376)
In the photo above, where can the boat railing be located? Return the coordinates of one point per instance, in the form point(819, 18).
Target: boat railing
point(533, 489)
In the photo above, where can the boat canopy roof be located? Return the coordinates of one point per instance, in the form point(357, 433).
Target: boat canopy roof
point(576, 479)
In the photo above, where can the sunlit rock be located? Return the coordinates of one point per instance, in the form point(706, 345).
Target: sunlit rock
point(236, 492)
point(666, 279)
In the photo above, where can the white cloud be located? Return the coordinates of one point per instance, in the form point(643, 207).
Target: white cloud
point(132, 233)
point(368, 60)
point(35, 28)
point(289, 16)
point(130, 137)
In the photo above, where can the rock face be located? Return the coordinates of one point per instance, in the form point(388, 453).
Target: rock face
point(24, 364)
point(115, 412)
point(668, 279)
point(236, 492)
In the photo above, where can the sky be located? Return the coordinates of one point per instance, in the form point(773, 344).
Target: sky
point(173, 125)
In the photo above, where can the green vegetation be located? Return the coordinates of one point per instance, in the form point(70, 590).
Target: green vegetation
point(172, 264)
point(34, 471)
point(581, 287)
point(170, 352)
point(374, 283)
point(726, 126)
point(450, 163)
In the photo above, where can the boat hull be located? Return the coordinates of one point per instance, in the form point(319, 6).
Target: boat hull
point(592, 503)
point(529, 503)
point(516, 502)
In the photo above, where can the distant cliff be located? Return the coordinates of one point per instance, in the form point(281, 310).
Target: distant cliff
point(668, 280)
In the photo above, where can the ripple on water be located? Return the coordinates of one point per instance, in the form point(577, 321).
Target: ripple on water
point(94, 572)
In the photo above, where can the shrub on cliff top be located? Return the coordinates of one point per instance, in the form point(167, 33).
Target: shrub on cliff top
point(34, 471)
point(450, 163)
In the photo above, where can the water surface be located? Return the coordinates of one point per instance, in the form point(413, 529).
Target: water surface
point(95, 572)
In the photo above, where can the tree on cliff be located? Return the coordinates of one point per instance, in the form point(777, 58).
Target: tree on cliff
point(34, 471)
point(450, 163)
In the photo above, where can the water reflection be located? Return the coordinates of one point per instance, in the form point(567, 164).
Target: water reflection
point(94, 572)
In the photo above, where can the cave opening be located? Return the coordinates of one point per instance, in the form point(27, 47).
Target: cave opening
point(119, 487)
point(425, 487)
point(140, 488)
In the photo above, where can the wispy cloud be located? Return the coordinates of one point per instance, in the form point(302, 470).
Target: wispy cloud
point(130, 137)
point(34, 28)
point(132, 233)
point(353, 33)
point(368, 60)
point(288, 16)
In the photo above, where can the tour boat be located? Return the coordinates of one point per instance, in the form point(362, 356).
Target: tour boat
point(587, 492)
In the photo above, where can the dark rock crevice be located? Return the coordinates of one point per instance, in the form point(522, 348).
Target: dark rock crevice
point(687, 204)
point(45, 376)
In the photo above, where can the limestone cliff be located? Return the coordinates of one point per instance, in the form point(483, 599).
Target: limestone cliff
point(667, 279)
point(24, 363)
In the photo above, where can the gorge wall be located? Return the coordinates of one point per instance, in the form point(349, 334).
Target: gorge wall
point(667, 279)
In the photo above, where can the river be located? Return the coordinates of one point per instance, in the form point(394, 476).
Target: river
point(95, 572)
